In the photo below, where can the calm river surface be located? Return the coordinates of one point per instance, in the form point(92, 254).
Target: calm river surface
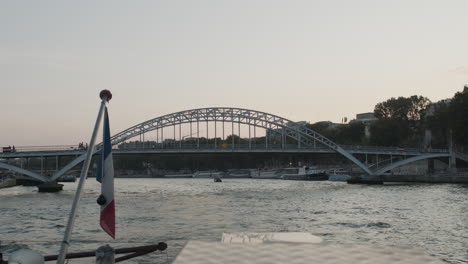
point(431, 218)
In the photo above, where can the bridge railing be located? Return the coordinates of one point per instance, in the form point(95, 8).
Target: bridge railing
point(392, 149)
point(47, 148)
point(219, 145)
point(205, 146)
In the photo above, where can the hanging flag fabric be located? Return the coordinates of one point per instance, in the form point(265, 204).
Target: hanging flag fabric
point(105, 176)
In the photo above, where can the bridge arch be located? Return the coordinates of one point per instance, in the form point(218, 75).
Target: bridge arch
point(301, 133)
point(410, 160)
point(23, 171)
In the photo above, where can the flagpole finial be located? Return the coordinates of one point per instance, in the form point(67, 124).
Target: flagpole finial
point(107, 94)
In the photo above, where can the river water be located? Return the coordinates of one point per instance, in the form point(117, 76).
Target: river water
point(428, 217)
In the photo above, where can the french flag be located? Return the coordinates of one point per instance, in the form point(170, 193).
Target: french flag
point(105, 175)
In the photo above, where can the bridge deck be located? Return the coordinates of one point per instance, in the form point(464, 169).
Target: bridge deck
point(239, 149)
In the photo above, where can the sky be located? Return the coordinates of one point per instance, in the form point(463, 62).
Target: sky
point(313, 60)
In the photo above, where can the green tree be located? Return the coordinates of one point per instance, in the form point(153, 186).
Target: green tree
point(351, 134)
point(400, 121)
point(458, 114)
point(438, 122)
point(325, 129)
point(402, 108)
point(389, 132)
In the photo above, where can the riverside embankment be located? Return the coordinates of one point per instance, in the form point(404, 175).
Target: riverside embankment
point(6, 182)
point(442, 177)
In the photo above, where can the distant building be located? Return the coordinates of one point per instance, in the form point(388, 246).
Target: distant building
point(367, 119)
point(329, 124)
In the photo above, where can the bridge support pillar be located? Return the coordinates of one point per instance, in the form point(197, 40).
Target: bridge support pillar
point(430, 165)
point(42, 166)
point(452, 157)
point(50, 187)
point(452, 162)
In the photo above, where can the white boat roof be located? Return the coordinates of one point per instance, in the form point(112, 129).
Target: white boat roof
point(204, 252)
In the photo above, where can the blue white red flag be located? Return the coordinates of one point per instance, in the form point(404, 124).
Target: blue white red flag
point(105, 176)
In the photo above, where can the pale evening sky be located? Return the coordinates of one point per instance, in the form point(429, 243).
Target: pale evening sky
point(303, 60)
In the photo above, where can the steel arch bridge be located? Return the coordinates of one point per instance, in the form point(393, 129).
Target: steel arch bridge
point(288, 128)
point(305, 137)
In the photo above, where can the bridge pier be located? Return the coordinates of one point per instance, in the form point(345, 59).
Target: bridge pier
point(367, 179)
point(453, 162)
point(50, 187)
point(452, 157)
point(430, 165)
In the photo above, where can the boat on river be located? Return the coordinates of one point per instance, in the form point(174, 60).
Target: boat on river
point(338, 175)
point(217, 179)
point(208, 174)
point(67, 178)
point(304, 174)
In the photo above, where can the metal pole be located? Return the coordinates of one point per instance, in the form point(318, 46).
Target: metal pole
point(162, 137)
point(250, 139)
point(238, 126)
point(282, 138)
point(180, 135)
point(198, 134)
point(232, 135)
point(255, 135)
point(84, 172)
point(216, 143)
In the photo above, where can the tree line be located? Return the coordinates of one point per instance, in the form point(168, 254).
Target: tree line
point(412, 121)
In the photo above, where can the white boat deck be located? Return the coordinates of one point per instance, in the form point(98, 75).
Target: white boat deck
point(291, 249)
point(202, 252)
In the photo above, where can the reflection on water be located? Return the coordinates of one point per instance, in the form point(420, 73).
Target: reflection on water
point(432, 218)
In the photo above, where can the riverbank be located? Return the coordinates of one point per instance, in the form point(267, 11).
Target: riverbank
point(436, 177)
point(6, 182)
point(442, 177)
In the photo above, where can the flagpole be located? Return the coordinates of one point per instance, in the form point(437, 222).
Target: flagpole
point(105, 95)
